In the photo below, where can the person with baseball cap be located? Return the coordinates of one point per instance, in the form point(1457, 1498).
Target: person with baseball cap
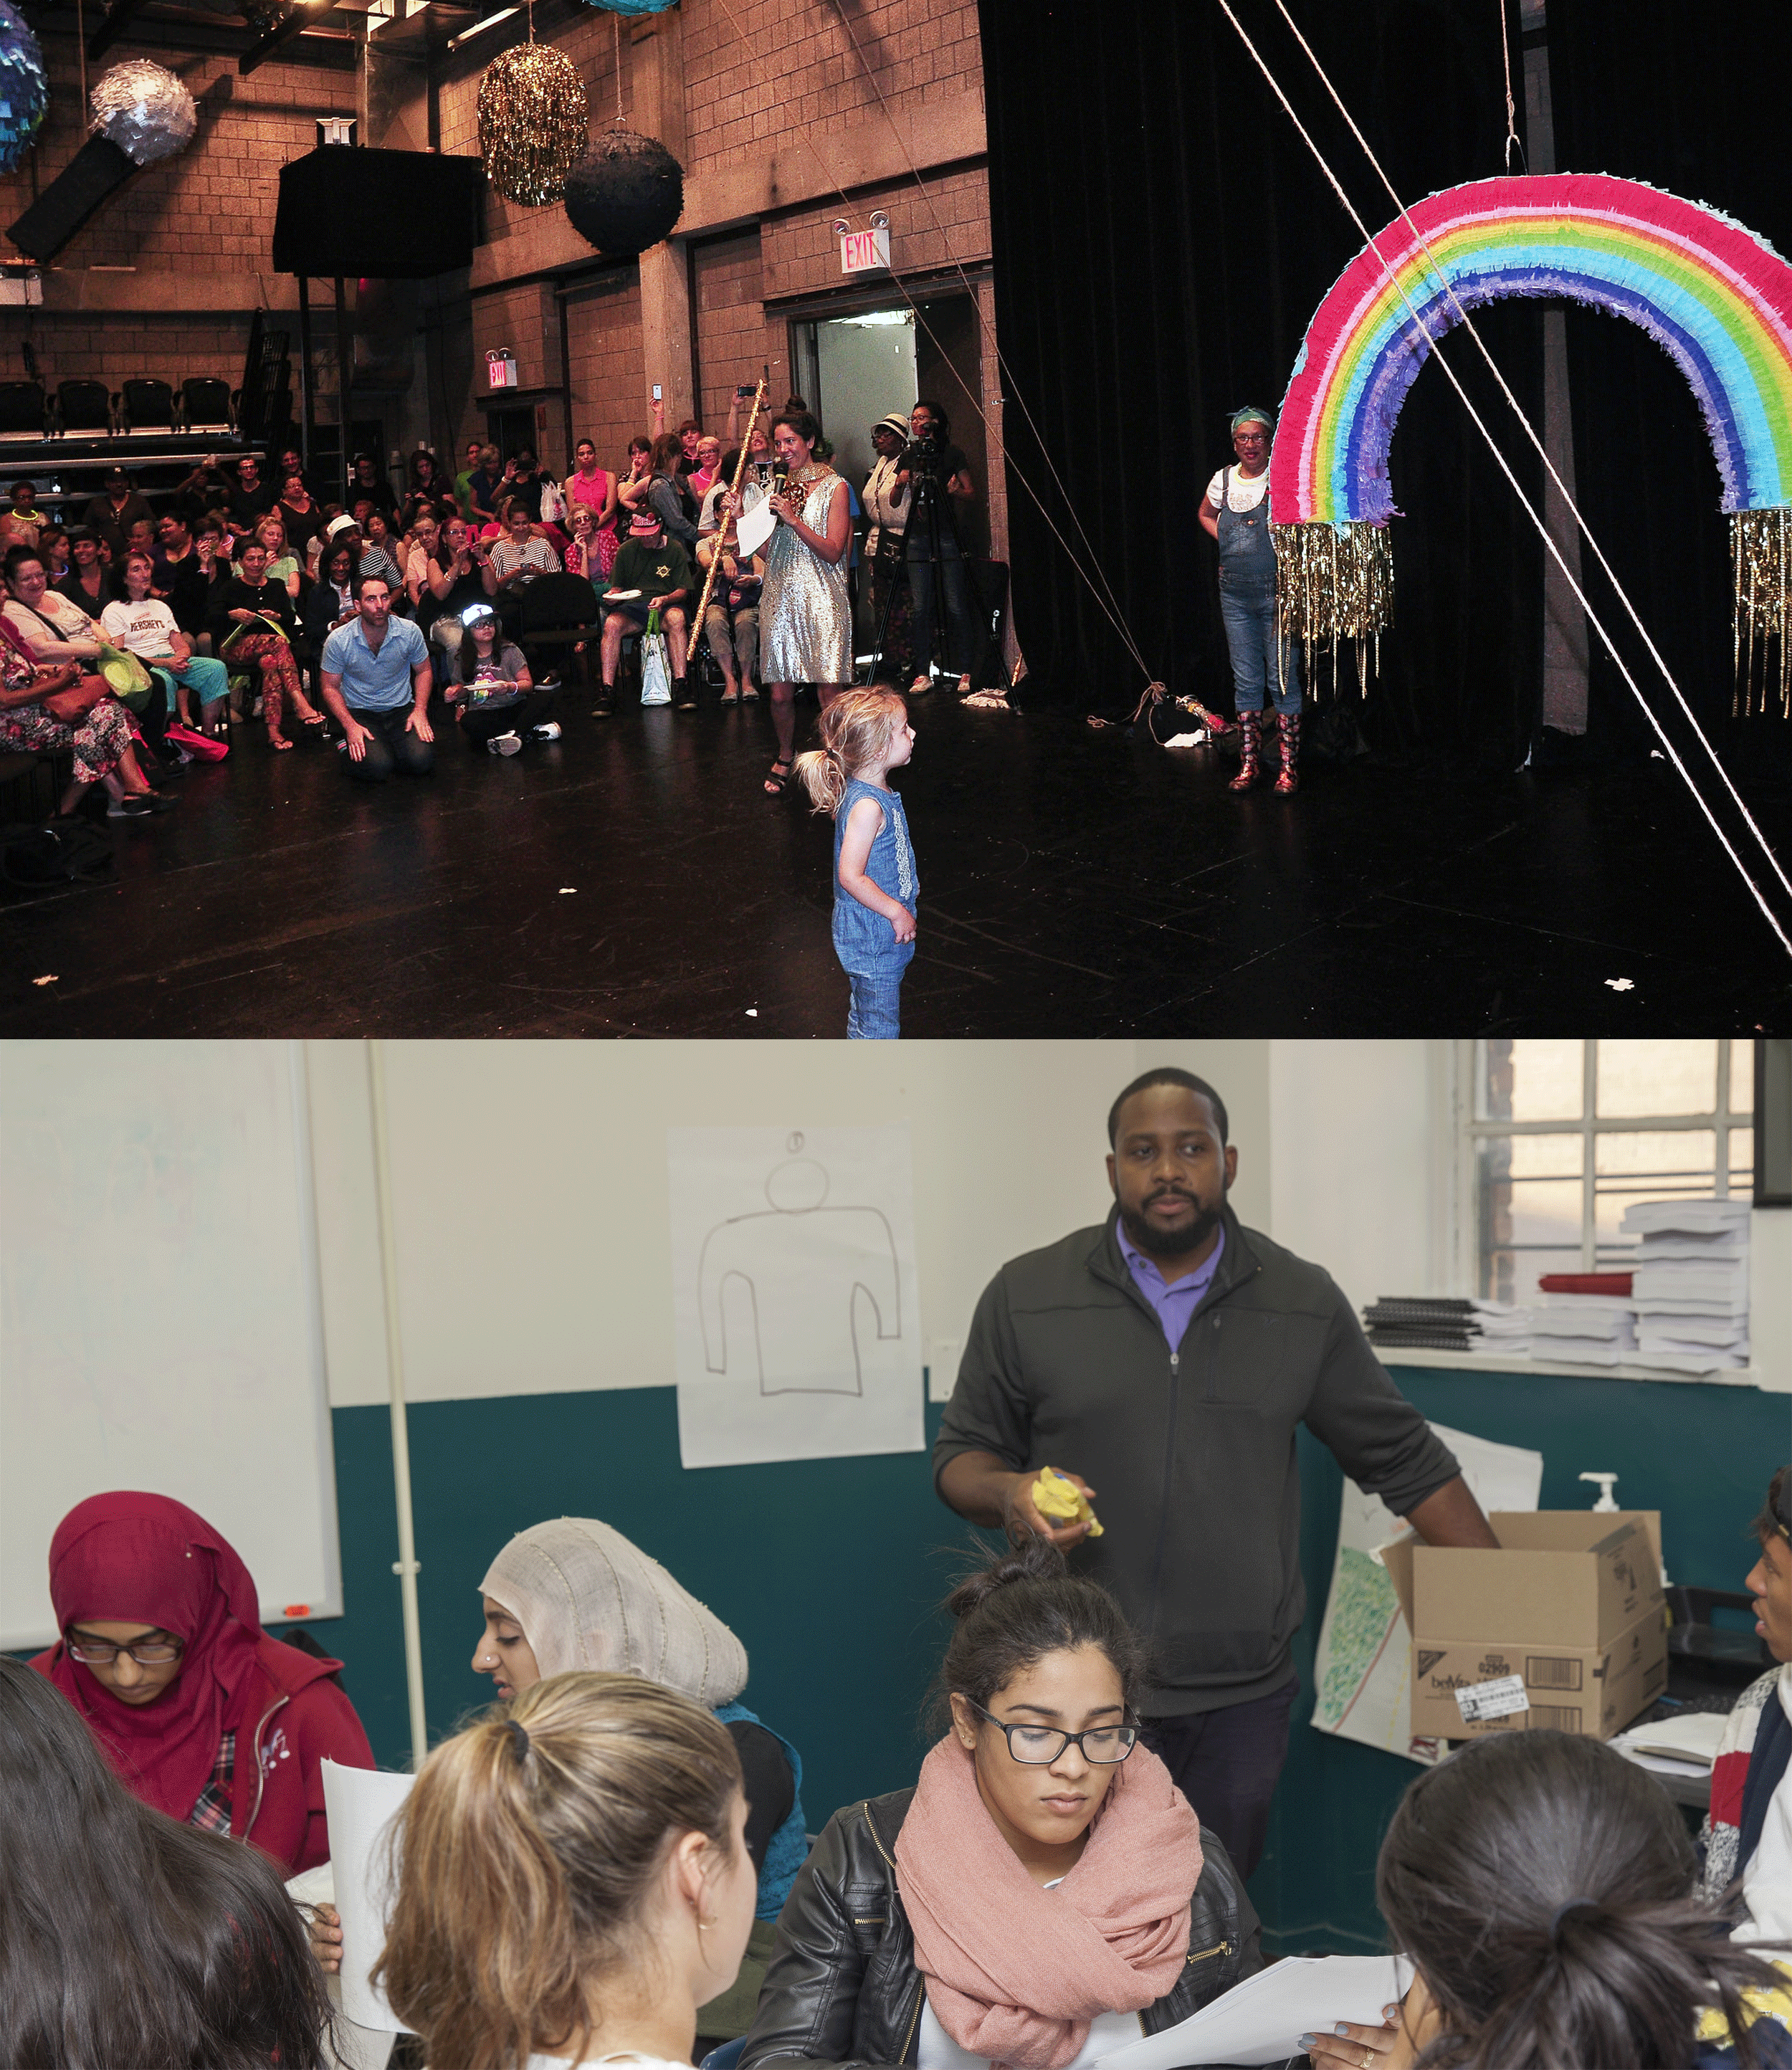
point(650, 569)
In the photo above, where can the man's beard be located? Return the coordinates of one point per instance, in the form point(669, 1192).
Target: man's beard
point(1172, 1243)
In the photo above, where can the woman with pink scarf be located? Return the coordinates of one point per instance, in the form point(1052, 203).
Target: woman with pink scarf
point(1043, 1896)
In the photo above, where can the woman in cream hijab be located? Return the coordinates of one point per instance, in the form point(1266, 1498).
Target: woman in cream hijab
point(574, 1593)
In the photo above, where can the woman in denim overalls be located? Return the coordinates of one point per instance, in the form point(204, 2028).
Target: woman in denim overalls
point(1236, 512)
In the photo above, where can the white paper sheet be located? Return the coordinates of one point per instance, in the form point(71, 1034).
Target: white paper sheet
point(360, 1803)
point(796, 1306)
point(1363, 1668)
point(754, 528)
point(1263, 2019)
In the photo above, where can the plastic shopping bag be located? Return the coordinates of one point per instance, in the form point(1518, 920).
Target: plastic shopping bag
point(656, 664)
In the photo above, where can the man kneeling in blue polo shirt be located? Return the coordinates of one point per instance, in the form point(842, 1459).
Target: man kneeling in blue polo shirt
point(376, 682)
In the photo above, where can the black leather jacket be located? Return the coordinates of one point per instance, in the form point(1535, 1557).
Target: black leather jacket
point(843, 1989)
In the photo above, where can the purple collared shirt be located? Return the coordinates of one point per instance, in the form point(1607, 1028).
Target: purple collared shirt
point(1173, 1304)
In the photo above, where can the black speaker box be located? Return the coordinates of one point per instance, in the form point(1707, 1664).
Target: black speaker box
point(97, 169)
point(381, 216)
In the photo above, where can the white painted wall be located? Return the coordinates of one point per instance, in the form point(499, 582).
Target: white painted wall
point(529, 1184)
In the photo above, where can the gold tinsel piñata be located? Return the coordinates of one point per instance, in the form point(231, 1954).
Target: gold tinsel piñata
point(1335, 583)
point(1760, 553)
point(533, 121)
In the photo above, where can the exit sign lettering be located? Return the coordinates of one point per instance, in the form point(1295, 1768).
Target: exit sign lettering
point(864, 251)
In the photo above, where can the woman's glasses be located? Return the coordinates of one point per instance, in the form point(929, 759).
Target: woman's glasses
point(1038, 1746)
point(145, 1652)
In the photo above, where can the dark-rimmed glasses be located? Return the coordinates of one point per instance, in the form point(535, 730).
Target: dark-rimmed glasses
point(101, 1653)
point(1038, 1746)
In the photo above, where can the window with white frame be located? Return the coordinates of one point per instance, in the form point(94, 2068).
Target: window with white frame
point(1565, 1135)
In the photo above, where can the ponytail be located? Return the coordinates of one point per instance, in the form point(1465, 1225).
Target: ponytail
point(528, 1850)
point(857, 730)
point(1541, 1884)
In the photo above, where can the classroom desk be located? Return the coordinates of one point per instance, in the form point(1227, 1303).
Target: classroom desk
point(1690, 1687)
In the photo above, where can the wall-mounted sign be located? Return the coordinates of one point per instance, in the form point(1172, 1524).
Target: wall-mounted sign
point(865, 251)
point(500, 369)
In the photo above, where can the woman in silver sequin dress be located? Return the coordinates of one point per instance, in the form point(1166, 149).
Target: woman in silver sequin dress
point(805, 614)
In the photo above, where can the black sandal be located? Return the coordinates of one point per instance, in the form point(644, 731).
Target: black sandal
point(775, 785)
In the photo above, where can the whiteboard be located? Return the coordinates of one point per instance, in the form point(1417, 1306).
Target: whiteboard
point(161, 1309)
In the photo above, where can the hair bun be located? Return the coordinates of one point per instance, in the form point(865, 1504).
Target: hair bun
point(1028, 1557)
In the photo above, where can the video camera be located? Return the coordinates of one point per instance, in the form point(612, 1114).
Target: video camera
point(923, 454)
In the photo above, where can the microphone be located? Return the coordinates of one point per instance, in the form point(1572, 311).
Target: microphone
point(780, 477)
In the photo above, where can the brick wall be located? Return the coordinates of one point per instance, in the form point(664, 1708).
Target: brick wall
point(211, 209)
point(604, 352)
point(727, 313)
point(928, 233)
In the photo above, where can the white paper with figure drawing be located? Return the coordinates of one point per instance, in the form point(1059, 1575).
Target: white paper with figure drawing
point(1363, 1666)
point(796, 1309)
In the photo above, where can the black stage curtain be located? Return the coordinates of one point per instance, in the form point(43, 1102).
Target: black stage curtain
point(1162, 238)
point(1641, 90)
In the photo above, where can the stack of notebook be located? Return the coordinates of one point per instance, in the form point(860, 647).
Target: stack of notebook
point(1583, 1329)
point(1420, 1322)
point(1691, 1283)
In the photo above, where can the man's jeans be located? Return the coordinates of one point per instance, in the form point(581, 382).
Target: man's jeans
point(391, 748)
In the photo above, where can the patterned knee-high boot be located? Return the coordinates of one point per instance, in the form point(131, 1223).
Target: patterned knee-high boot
point(1250, 743)
point(1289, 780)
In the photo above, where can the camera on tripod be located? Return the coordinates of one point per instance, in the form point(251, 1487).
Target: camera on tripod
point(922, 455)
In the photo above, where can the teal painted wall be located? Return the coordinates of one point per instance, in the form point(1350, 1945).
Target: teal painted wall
point(830, 1571)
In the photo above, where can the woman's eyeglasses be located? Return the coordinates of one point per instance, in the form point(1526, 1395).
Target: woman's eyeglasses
point(1038, 1746)
point(145, 1652)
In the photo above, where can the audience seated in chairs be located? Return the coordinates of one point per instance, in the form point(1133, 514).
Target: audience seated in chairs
point(366, 480)
point(459, 575)
point(250, 500)
point(283, 563)
point(731, 621)
point(299, 512)
point(143, 625)
point(52, 543)
point(21, 520)
point(379, 551)
point(331, 601)
point(375, 676)
point(88, 582)
point(500, 704)
point(185, 571)
point(253, 626)
point(519, 556)
point(206, 488)
point(110, 514)
point(426, 486)
point(50, 703)
point(656, 567)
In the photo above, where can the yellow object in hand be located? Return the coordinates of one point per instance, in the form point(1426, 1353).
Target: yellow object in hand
point(1057, 1496)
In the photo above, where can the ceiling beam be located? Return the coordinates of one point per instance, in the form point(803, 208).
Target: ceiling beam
point(306, 14)
point(118, 19)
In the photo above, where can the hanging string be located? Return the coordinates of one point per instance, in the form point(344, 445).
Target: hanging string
point(1543, 531)
point(1467, 322)
point(1011, 385)
point(1108, 606)
point(1512, 143)
point(616, 23)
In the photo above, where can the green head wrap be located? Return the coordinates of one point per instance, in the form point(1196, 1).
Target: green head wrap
point(1252, 416)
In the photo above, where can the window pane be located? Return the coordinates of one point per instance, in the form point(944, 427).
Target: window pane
point(1742, 1079)
point(1646, 1164)
point(1657, 1077)
point(1528, 1224)
point(1525, 1081)
point(1742, 1163)
point(1545, 1156)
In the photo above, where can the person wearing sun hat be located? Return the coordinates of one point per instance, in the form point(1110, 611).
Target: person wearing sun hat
point(658, 570)
point(1235, 512)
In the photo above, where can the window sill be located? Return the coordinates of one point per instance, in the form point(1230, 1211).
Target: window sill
point(1744, 1376)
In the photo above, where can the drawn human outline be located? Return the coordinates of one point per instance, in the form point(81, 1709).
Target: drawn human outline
point(797, 1223)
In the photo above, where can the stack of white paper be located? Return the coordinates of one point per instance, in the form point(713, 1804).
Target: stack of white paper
point(1691, 1283)
point(1685, 1745)
point(1584, 1329)
point(1263, 2019)
point(1505, 1329)
point(361, 1804)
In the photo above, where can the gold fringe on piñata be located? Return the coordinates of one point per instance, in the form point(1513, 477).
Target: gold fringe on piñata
point(533, 123)
point(1335, 583)
point(1761, 555)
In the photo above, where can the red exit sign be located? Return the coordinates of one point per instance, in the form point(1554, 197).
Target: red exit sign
point(864, 251)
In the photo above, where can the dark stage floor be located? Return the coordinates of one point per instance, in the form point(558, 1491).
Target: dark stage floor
point(633, 881)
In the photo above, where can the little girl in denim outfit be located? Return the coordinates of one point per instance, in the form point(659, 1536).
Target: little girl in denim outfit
point(865, 735)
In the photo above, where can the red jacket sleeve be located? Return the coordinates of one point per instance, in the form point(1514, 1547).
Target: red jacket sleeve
point(324, 1727)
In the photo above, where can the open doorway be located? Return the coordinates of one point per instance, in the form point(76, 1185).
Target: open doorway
point(854, 369)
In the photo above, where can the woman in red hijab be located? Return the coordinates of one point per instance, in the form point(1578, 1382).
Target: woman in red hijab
point(200, 1713)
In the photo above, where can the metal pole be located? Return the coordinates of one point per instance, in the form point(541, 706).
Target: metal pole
point(308, 410)
point(345, 380)
point(406, 1565)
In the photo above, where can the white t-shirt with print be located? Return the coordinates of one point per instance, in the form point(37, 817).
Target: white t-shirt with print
point(1239, 494)
point(145, 628)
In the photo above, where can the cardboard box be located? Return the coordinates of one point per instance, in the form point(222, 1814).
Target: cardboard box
point(1564, 1626)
